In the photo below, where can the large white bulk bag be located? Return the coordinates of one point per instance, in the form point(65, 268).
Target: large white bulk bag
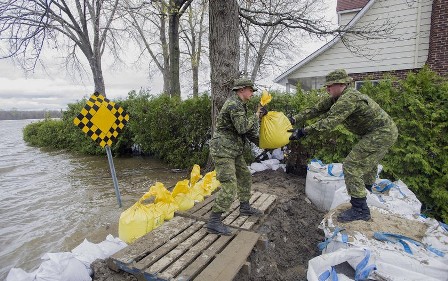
point(322, 181)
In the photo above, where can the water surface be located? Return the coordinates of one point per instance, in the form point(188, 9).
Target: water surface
point(51, 200)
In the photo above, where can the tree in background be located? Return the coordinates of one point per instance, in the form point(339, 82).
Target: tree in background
point(193, 31)
point(148, 28)
point(266, 42)
point(28, 26)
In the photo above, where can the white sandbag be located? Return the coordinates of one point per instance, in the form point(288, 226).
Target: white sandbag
point(18, 274)
point(87, 252)
point(322, 181)
point(62, 267)
point(396, 256)
point(111, 245)
point(341, 197)
point(396, 197)
point(278, 154)
point(322, 266)
point(258, 167)
point(272, 164)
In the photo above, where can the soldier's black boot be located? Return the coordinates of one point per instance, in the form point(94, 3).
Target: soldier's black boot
point(369, 187)
point(215, 225)
point(247, 210)
point(358, 211)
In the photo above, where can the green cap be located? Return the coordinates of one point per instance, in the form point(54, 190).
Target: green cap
point(243, 83)
point(339, 76)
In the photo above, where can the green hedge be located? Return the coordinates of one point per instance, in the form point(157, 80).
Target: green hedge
point(178, 132)
point(419, 106)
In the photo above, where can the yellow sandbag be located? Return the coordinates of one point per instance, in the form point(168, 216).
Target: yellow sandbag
point(195, 174)
point(197, 193)
point(265, 98)
point(157, 215)
point(136, 221)
point(273, 130)
point(209, 183)
point(163, 201)
point(167, 209)
point(182, 196)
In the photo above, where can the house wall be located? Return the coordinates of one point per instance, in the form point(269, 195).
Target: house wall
point(438, 44)
point(407, 49)
point(345, 17)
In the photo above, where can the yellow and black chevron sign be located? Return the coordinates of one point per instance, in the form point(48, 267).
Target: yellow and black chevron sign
point(101, 119)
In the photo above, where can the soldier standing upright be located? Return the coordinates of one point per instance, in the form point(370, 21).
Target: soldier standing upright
point(363, 117)
point(234, 126)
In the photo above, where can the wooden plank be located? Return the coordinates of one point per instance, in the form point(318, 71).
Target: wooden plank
point(157, 254)
point(266, 207)
point(202, 210)
point(176, 267)
point(204, 259)
point(124, 258)
point(206, 208)
point(180, 249)
point(227, 264)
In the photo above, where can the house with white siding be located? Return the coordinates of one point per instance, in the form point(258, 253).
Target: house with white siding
point(418, 36)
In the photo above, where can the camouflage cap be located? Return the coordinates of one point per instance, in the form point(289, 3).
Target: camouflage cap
point(241, 83)
point(338, 76)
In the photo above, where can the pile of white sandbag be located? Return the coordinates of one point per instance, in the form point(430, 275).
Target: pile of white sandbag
point(69, 266)
point(396, 244)
point(272, 163)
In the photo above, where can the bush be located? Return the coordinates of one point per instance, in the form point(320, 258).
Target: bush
point(173, 130)
point(418, 105)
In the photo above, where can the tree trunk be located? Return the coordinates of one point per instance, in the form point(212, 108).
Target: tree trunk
point(195, 68)
point(224, 51)
point(98, 78)
point(166, 56)
point(174, 51)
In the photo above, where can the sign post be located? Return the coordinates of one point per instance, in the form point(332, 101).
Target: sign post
point(102, 120)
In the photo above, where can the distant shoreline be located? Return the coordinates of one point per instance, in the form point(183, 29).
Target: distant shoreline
point(31, 114)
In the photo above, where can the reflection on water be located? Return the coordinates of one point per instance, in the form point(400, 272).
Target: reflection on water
point(51, 200)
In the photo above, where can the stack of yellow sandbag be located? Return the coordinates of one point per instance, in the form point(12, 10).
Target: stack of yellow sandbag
point(141, 218)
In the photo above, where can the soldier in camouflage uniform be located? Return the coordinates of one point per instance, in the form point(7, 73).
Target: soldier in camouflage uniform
point(363, 117)
point(234, 126)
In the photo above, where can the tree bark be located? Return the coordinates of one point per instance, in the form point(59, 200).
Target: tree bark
point(174, 51)
point(224, 51)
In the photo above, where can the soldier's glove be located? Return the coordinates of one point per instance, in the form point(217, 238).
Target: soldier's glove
point(297, 134)
point(262, 111)
point(292, 120)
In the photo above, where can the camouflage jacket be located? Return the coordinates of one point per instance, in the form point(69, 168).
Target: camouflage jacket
point(233, 126)
point(358, 112)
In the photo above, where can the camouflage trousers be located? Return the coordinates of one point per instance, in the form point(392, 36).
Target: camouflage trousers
point(361, 164)
point(234, 177)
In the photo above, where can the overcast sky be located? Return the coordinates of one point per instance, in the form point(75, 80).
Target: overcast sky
point(55, 89)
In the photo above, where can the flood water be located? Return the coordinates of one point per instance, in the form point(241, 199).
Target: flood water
point(50, 201)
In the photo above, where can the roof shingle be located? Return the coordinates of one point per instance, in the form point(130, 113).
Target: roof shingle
point(344, 5)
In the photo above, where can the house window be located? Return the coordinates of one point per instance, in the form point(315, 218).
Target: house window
point(359, 84)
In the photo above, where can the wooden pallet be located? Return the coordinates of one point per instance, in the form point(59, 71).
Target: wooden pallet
point(262, 201)
point(181, 249)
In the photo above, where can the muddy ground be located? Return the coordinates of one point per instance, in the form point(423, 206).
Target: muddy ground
point(291, 231)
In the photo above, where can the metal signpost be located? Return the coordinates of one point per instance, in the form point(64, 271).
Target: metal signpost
point(102, 120)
